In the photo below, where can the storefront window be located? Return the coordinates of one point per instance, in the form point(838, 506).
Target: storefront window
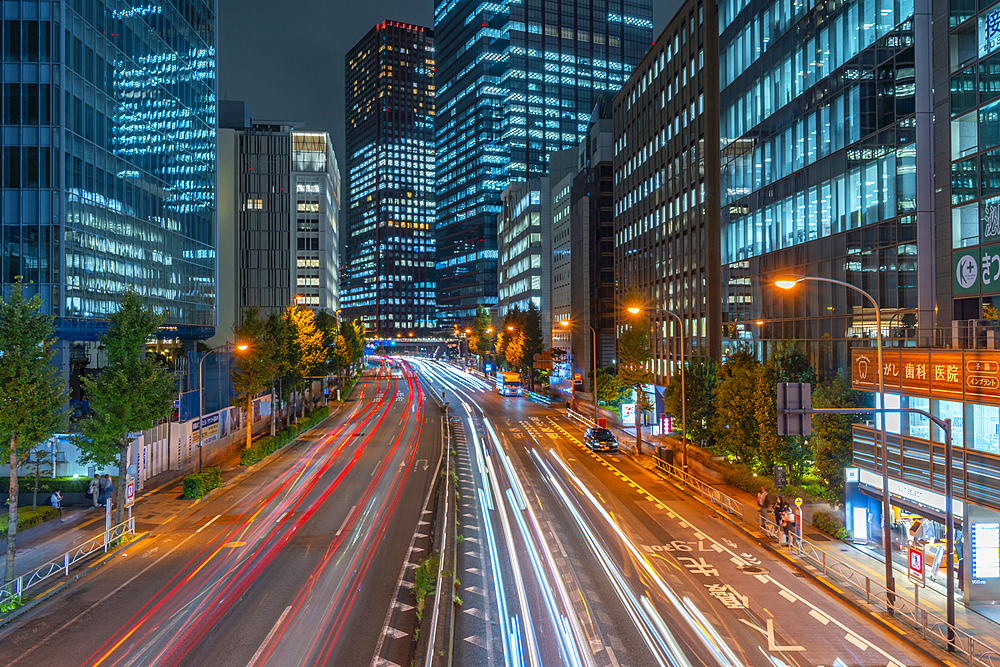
point(892, 419)
point(951, 410)
point(920, 426)
point(983, 427)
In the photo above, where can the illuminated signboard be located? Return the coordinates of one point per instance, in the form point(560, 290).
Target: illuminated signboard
point(628, 414)
point(972, 375)
point(986, 550)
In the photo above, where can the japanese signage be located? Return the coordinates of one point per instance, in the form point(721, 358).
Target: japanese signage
point(989, 229)
point(976, 270)
point(129, 492)
point(989, 32)
point(915, 565)
point(973, 375)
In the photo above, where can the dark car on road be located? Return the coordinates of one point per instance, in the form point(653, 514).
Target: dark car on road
point(600, 440)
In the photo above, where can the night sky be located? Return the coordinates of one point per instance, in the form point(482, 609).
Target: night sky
point(286, 59)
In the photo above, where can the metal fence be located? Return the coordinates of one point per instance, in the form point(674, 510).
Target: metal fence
point(537, 398)
point(707, 493)
point(61, 565)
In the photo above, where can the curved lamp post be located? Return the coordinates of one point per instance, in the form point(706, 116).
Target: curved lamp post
point(787, 283)
point(680, 327)
point(566, 323)
point(201, 393)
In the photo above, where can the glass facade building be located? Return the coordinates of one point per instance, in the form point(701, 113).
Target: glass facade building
point(517, 81)
point(109, 159)
point(388, 248)
point(825, 123)
point(666, 129)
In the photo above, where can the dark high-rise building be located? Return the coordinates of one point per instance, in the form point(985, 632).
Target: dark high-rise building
point(666, 132)
point(517, 81)
point(388, 257)
point(108, 163)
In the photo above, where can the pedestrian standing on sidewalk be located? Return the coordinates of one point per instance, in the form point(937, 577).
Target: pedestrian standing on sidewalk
point(94, 490)
point(763, 504)
point(105, 489)
point(778, 509)
point(788, 524)
point(56, 501)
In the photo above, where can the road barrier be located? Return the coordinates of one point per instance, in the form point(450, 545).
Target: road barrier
point(709, 494)
point(61, 565)
point(538, 398)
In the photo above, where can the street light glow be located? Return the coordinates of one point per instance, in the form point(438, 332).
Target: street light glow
point(788, 282)
point(634, 311)
point(510, 328)
point(760, 323)
point(565, 323)
point(242, 347)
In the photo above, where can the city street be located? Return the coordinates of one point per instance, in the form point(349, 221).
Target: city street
point(293, 564)
point(606, 564)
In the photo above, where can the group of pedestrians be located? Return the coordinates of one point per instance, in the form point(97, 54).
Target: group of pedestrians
point(99, 491)
point(784, 515)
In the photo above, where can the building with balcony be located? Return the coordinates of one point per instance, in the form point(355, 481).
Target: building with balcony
point(279, 209)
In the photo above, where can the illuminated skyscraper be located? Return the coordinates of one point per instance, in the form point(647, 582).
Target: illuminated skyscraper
point(388, 281)
point(517, 81)
point(108, 167)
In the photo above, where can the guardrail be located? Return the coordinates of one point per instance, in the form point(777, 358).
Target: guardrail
point(576, 416)
point(708, 493)
point(537, 398)
point(62, 564)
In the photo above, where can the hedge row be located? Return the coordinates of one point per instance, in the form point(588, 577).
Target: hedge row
point(26, 484)
point(197, 484)
point(27, 518)
point(272, 443)
point(829, 524)
point(743, 479)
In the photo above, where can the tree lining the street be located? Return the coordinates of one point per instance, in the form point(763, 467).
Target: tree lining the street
point(131, 393)
point(32, 393)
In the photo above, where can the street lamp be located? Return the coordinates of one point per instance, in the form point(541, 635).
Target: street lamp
point(201, 394)
point(788, 282)
point(680, 325)
point(566, 323)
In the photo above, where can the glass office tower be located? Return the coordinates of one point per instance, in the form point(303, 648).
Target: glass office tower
point(108, 162)
point(517, 81)
point(825, 123)
point(388, 248)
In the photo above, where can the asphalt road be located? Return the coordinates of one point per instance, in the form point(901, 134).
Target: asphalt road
point(604, 563)
point(295, 564)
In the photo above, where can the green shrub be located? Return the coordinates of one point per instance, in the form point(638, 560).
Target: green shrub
point(197, 484)
point(830, 524)
point(26, 484)
point(27, 518)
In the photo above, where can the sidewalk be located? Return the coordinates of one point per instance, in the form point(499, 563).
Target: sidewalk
point(160, 504)
point(982, 622)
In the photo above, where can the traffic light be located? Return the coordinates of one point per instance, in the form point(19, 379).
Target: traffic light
point(794, 396)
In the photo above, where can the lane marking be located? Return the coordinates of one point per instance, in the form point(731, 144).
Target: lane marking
point(346, 519)
point(269, 635)
point(211, 521)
